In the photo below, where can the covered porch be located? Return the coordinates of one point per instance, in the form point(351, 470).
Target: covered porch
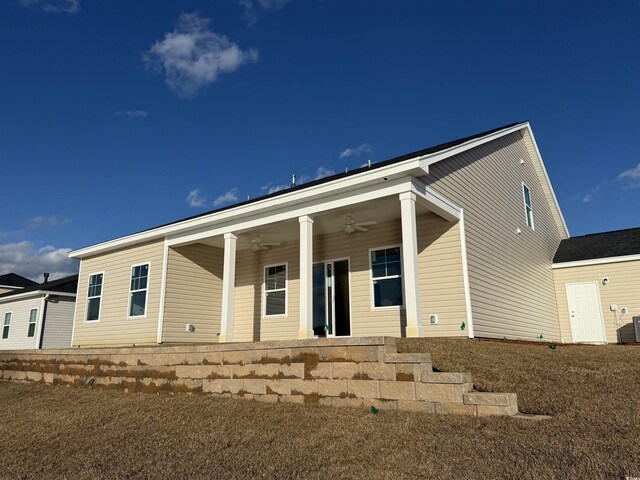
point(384, 258)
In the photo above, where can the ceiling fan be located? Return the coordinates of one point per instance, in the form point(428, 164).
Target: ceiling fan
point(257, 243)
point(351, 225)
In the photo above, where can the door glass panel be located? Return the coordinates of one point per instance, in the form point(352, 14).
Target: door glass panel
point(319, 300)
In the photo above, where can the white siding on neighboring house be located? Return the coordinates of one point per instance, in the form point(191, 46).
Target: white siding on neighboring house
point(20, 311)
point(510, 276)
point(58, 322)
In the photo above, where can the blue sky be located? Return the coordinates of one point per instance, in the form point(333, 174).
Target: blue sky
point(119, 116)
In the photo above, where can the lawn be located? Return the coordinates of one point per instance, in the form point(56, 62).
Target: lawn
point(592, 392)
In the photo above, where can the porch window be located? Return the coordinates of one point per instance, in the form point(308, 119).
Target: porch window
point(275, 290)
point(33, 315)
point(138, 293)
point(528, 210)
point(94, 297)
point(386, 277)
point(7, 323)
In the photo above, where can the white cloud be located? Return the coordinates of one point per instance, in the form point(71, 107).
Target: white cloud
point(192, 56)
point(53, 6)
point(322, 172)
point(587, 198)
point(271, 188)
point(133, 113)
point(26, 260)
point(251, 8)
point(356, 151)
point(51, 221)
point(631, 177)
point(194, 199)
point(228, 197)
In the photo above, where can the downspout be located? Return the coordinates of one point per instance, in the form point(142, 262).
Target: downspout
point(43, 316)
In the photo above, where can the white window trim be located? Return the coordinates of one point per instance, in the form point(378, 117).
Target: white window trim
point(286, 290)
point(35, 323)
point(86, 305)
point(371, 279)
point(146, 297)
point(4, 316)
point(526, 213)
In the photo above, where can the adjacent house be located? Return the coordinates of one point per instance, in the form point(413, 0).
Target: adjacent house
point(11, 282)
point(456, 240)
point(39, 315)
point(598, 286)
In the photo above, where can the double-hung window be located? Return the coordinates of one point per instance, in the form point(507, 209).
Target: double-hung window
point(275, 290)
point(33, 316)
point(386, 276)
point(138, 292)
point(6, 325)
point(528, 210)
point(94, 297)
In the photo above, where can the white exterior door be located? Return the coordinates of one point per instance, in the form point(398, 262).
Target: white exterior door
point(585, 312)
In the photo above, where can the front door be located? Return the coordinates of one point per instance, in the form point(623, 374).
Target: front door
point(585, 312)
point(331, 317)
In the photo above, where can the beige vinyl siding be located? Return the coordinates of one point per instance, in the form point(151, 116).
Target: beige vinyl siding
point(58, 323)
point(249, 321)
point(193, 293)
point(623, 290)
point(440, 267)
point(114, 327)
point(511, 282)
point(20, 310)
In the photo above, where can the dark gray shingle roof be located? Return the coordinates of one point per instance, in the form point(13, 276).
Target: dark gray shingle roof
point(618, 243)
point(64, 285)
point(15, 280)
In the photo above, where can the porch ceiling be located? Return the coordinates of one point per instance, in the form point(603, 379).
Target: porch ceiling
point(381, 210)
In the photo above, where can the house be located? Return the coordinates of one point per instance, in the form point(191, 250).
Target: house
point(11, 282)
point(598, 286)
point(39, 316)
point(456, 240)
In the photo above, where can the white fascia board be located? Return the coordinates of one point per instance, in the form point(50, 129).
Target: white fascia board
point(432, 158)
point(261, 207)
point(596, 261)
point(19, 296)
point(258, 219)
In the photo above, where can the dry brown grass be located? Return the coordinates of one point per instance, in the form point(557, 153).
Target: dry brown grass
point(593, 393)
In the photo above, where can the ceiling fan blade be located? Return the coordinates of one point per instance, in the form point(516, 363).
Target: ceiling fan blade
point(365, 224)
point(360, 229)
point(262, 247)
point(274, 244)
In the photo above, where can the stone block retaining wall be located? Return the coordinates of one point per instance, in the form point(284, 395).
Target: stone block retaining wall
point(355, 372)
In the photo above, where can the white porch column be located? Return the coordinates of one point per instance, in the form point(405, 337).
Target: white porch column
point(306, 277)
point(228, 288)
point(410, 264)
